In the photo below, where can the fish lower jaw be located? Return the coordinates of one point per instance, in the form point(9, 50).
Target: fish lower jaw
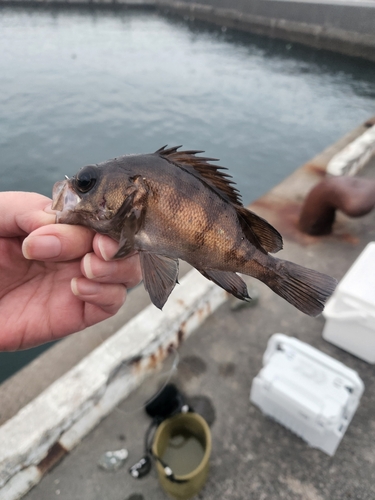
point(70, 216)
point(98, 222)
point(62, 217)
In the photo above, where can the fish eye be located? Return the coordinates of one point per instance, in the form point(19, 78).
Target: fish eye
point(86, 179)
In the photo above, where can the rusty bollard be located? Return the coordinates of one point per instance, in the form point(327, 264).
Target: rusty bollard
point(352, 196)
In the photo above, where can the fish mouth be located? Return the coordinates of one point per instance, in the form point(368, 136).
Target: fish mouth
point(64, 200)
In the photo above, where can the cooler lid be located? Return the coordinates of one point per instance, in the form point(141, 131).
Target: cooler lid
point(320, 375)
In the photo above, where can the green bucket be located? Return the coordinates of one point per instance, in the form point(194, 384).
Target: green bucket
point(183, 443)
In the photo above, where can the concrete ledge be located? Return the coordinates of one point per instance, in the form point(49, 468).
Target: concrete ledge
point(354, 156)
point(315, 35)
point(76, 402)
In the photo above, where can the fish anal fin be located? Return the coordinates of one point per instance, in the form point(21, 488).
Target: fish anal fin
point(231, 282)
point(269, 238)
point(159, 276)
point(212, 175)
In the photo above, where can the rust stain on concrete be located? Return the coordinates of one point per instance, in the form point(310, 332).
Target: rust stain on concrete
point(318, 170)
point(284, 215)
point(54, 455)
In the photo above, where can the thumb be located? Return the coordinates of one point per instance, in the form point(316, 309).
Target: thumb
point(58, 242)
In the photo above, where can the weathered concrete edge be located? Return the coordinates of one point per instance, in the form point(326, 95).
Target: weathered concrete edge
point(354, 156)
point(75, 403)
point(333, 39)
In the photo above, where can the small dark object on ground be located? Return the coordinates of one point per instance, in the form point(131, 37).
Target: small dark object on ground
point(191, 366)
point(135, 496)
point(168, 402)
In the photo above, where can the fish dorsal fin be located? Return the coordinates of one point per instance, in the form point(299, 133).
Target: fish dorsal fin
point(269, 238)
point(199, 167)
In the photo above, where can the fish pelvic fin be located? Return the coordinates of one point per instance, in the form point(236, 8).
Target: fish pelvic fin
point(159, 276)
point(304, 288)
point(258, 231)
point(200, 167)
point(231, 282)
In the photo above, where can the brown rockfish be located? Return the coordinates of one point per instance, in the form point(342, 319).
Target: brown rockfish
point(173, 205)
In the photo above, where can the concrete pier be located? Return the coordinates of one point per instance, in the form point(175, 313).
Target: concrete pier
point(253, 457)
point(229, 345)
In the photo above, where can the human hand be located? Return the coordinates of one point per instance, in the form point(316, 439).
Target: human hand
point(55, 279)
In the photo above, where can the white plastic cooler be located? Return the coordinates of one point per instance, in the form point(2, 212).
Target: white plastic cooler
point(350, 312)
point(307, 391)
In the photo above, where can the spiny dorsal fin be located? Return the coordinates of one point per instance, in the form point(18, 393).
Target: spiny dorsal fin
point(200, 167)
point(269, 238)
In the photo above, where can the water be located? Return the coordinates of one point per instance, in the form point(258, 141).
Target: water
point(79, 86)
point(183, 454)
point(82, 86)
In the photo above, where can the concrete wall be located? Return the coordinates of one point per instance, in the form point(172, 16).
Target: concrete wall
point(359, 19)
point(348, 29)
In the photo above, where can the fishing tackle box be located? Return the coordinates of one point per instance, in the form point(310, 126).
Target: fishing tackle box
point(307, 391)
point(350, 312)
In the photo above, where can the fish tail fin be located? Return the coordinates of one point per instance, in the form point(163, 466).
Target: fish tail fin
point(304, 288)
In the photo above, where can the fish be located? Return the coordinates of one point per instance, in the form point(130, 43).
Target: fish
point(174, 204)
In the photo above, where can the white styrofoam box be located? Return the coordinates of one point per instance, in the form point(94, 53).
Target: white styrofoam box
point(350, 312)
point(307, 391)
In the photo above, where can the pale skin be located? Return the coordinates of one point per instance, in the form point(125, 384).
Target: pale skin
point(55, 279)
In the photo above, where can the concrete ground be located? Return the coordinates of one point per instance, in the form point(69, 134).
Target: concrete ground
point(253, 457)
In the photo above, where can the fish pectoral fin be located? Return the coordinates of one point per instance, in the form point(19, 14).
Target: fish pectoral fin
point(159, 276)
point(253, 225)
point(231, 282)
point(130, 226)
point(126, 243)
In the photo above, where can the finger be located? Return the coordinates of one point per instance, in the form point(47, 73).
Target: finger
point(105, 247)
point(126, 271)
point(58, 242)
point(21, 213)
point(108, 297)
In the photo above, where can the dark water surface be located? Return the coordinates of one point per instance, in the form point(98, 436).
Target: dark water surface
point(80, 86)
